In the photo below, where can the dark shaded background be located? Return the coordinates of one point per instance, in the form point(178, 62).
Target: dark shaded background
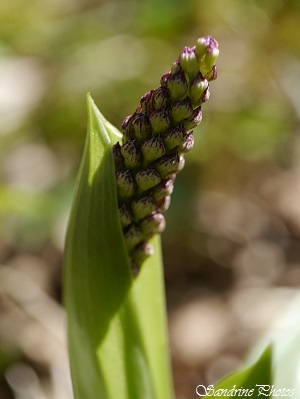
point(231, 247)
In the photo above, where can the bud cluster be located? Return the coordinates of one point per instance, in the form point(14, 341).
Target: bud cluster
point(155, 138)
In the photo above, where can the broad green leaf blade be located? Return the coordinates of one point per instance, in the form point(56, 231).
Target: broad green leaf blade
point(252, 381)
point(116, 326)
point(285, 337)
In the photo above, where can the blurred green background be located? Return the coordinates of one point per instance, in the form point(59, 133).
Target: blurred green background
point(231, 247)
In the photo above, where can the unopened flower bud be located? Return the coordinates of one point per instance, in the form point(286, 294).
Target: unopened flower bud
point(147, 179)
point(164, 204)
point(127, 129)
point(177, 86)
point(133, 236)
point(194, 120)
point(125, 184)
point(197, 89)
point(143, 207)
point(174, 137)
point(141, 252)
point(176, 67)
point(207, 53)
point(153, 149)
point(189, 62)
point(164, 79)
point(153, 224)
point(161, 98)
point(125, 215)
point(164, 188)
point(160, 121)
point(169, 164)
point(213, 74)
point(131, 154)
point(118, 157)
point(188, 144)
point(141, 127)
point(146, 102)
point(181, 110)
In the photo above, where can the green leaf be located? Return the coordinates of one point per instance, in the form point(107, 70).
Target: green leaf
point(117, 332)
point(285, 337)
point(249, 381)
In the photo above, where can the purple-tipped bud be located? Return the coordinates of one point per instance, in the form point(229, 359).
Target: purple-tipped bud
point(164, 79)
point(176, 67)
point(125, 184)
point(125, 215)
point(164, 204)
point(177, 86)
point(194, 120)
point(160, 121)
point(146, 102)
point(175, 137)
point(141, 127)
point(143, 207)
point(127, 129)
point(161, 98)
point(118, 157)
point(197, 89)
point(181, 110)
point(189, 62)
point(213, 74)
point(205, 95)
point(131, 154)
point(153, 149)
point(141, 252)
point(153, 224)
point(163, 189)
point(133, 236)
point(169, 164)
point(188, 144)
point(147, 178)
point(207, 52)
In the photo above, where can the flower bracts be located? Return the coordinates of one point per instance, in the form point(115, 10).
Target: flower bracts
point(155, 137)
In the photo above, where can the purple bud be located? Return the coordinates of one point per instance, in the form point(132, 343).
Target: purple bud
point(174, 137)
point(177, 86)
point(141, 252)
point(147, 179)
point(194, 120)
point(153, 148)
point(160, 121)
point(141, 127)
point(169, 164)
point(131, 154)
point(205, 95)
point(161, 98)
point(164, 188)
point(125, 215)
point(181, 110)
point(118, 157)
point(164, 79)
point(133, 236)
point(197, 89)
point(176, 67)
point(143, 207)
point(127, 130)
point(189, 62)
point(125, 184)
point(147, 102)
point(207, 53)
point(153, 224)
point(164, 204)
point(188, 143)
point(213, 74)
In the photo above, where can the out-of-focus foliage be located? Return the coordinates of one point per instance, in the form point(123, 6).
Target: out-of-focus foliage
point(231, 246)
